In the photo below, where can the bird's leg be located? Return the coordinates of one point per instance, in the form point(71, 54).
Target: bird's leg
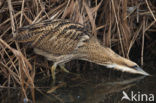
point(53, 70)
point(62, 66)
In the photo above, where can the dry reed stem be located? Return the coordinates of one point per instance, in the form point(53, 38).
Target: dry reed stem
point(120, 24)
point(91, 19)
point(22, 13)
point(150, 10)
point(143, 38)
point(119, 33)
point(24, 67)
point(10, 19)
point(11, 16)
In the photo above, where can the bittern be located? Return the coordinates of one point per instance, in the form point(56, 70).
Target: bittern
point(61, 41)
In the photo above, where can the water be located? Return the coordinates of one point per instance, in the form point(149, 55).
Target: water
point(93, 86)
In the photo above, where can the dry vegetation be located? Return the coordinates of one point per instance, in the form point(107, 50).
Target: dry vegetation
point(118, 24)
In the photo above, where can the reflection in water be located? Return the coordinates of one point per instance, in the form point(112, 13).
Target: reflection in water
point(88, 88)
point(92, 88)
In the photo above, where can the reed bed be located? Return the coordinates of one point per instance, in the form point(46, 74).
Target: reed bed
point(119, 24)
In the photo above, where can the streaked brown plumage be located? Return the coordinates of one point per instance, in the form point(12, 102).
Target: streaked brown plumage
point(62, 40)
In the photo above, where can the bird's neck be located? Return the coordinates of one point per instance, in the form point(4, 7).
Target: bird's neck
point(96, 53)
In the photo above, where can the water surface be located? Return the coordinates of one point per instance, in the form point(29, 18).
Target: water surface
point(93, 86)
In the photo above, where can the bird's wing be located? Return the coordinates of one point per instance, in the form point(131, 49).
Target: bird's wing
point(31, 32)
point(57, 37)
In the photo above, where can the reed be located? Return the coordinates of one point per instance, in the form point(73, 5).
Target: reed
point(118, 24)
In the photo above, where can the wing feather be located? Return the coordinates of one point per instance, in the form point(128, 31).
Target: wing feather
point(58, 37)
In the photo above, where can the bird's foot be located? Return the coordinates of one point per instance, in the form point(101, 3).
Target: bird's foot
point(64, 69)
point(62, 66)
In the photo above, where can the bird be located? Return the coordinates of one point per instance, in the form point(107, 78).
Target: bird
point(62, 40)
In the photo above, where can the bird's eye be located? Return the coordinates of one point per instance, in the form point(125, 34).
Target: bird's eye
point(135, 66)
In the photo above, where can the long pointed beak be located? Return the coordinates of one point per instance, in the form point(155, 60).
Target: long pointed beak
point(141, 71)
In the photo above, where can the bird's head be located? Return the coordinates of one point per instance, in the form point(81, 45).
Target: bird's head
point(96, 53)
point(123, 64)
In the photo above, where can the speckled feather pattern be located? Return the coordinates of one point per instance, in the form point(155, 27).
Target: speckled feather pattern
point(62, 40)
point(58, 37)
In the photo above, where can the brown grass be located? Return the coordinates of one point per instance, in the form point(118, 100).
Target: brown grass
point(117, 23)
